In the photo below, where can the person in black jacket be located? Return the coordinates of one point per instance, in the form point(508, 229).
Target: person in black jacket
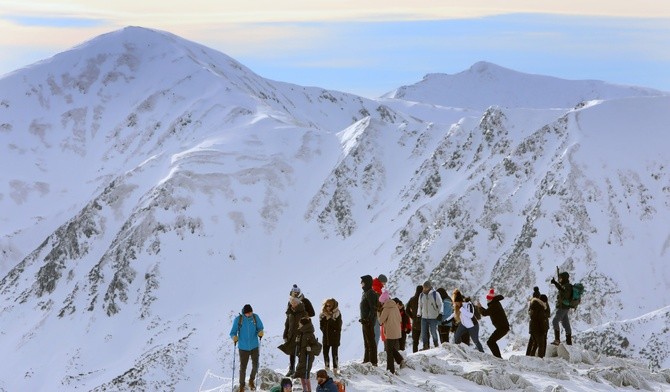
point(412, 310)
point(368, 308)
point(562, 308)
point(539, 312)
point(499, 319)
point(330, 323)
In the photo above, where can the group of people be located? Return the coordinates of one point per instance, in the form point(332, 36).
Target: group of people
point(430, 313)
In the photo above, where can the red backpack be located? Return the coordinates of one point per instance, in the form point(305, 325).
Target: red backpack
point(340, 385)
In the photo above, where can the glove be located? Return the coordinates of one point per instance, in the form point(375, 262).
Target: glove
point(260, 334)
point(363, 321)
point(553, 281)
point(309, 349)
point(235, 338)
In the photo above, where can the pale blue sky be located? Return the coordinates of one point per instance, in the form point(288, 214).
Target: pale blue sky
point(370, 53)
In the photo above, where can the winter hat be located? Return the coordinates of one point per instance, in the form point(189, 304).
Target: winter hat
point(247, 309)
point(384, 297)
point(536, 292)
point(427, 285)
point(286, 382)
point(544, 298)
point(367, 280)
point(295, 290)
point(565, 275)
point(490, 295)
point(382, 278)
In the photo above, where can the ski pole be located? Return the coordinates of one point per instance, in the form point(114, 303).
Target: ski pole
point(232, 382)
point(260, 341)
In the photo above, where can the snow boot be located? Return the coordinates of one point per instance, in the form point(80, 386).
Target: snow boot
point(557, 338)
point(568, 340)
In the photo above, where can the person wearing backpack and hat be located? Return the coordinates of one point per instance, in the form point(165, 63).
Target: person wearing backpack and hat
point(563, 298)
point(430, 311)
point(499, 320)
point(246, 331)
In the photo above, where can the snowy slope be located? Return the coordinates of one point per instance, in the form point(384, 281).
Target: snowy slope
point(156, 186)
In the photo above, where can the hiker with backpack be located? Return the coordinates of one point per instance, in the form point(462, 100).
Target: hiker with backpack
point(412, 311)
point(499, 320)
point(391, 320)
point(246, 331)
point(563, 305)
point(469, 325)
point(430, 311)
point(307, 348)
point(298, 307)
point(368, 313)
point(330, 323)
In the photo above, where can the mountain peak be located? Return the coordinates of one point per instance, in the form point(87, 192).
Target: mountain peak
point(486, 84)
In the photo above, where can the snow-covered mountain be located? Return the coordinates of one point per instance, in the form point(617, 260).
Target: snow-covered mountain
point(152, 186)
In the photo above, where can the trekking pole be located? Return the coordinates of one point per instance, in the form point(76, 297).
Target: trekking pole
point(258, 368)
point(232, 382)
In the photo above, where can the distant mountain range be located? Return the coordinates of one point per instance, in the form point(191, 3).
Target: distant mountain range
point(152, 186)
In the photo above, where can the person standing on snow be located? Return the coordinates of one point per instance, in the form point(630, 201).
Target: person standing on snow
point(378, 284)
point(305, 347)
point(563, 298)
point(430, 311)
point(539, 312)
point(390, 318)
point(412, 310)
point(246, 331)
point(465, 311)
point(368, 313)
point(330, 323)
point(498, 319)
point(294, 312)
point(447, 308)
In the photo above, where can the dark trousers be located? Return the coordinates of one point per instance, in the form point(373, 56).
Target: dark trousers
point(244, 360)
point(493, 340)
point(443, 331)
point(326, 357)
point(537, 344)
point(392, 354)
point(369, 343)
point(416, 338)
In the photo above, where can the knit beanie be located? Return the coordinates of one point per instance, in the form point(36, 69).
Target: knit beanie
point(384, 297)
point(382, 278)
point(490, 295)
point(247, 309)
point(295, 290)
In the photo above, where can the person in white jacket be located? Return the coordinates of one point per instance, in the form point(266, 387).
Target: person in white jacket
point(430, 311)
point(468, 323)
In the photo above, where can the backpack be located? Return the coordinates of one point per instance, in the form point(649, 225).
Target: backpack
point(340, 385)
point(239, 322)
point(308, 307)
point(316, 348)
point(577, 291)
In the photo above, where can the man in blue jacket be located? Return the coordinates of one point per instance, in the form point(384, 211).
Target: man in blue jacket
point(246, 331)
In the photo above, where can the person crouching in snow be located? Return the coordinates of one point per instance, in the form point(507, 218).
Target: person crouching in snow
point(391, 320)
point(499, 319)
point(324, 383)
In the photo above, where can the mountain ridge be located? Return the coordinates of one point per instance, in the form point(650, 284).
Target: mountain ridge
point(158, 206)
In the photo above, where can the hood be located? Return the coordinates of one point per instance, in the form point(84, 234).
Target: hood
point(367, 282)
